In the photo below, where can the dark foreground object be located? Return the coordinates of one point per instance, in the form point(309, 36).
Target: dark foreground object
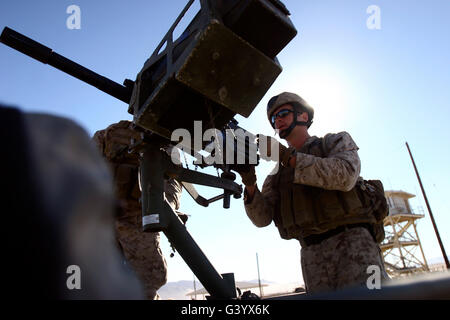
point(433, 286)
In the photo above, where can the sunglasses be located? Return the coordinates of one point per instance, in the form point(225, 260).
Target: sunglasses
point(280, 114)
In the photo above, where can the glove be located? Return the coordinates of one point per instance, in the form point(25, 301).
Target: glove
point(248, 175)
point(269, 146)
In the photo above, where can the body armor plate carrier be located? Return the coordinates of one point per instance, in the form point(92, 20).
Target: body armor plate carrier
point(306, 210)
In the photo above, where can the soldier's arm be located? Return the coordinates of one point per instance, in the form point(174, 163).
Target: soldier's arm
point(99, 140)
point(339, 171)
point(261, 207)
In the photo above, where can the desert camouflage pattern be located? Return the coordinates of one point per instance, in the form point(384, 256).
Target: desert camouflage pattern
point(339, 171)
point(141, 249)
point(341, 261)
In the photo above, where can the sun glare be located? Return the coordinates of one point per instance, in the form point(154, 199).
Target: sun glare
point(327, 94)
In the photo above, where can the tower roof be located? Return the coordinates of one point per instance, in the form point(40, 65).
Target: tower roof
point(398, 193)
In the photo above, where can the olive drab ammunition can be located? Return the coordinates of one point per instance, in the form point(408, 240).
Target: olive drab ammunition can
point(263, 24)
point(222, 65)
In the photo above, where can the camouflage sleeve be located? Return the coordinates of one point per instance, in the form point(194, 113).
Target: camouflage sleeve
point(339, 171)
point(263, 205)
point(99, 140)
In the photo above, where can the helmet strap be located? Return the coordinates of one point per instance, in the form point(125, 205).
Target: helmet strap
point(286, 132)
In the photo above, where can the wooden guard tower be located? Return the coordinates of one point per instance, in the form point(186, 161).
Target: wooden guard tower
point(402, 251)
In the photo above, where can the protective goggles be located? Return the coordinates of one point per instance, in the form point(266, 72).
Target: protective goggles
point(280, 114)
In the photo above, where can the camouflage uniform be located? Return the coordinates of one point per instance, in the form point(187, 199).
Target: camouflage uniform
point(342, 259)
point(141, 249)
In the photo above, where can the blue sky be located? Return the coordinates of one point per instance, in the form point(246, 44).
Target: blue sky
point(384, 87)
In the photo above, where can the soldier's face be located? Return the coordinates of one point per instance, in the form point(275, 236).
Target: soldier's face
point(283, 116)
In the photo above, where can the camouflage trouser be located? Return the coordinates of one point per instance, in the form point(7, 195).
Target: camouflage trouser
point(341, 261)
point(142, 252)
point(141, 249)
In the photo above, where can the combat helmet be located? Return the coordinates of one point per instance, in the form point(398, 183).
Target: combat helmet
point(299, 105)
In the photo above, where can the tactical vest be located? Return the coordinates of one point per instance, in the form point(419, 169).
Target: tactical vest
point(306, 210)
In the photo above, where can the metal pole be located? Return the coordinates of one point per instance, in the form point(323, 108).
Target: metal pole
point(158, 215)
point(429, 210)
point(218, 286)
point(195, 290)
point(259, 278)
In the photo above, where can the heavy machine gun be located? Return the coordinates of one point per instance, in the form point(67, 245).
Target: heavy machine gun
point(222, 65)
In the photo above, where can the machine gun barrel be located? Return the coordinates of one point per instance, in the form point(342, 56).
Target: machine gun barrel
point(46, 55)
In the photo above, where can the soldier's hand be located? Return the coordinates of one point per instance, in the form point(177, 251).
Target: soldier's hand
point(247, 174)
point(271, 149)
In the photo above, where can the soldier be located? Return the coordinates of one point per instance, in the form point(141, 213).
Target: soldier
point(316, 197)
point(141, 249)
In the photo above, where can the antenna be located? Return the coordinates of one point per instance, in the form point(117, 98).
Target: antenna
point(429, 210)
point(259, 278)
